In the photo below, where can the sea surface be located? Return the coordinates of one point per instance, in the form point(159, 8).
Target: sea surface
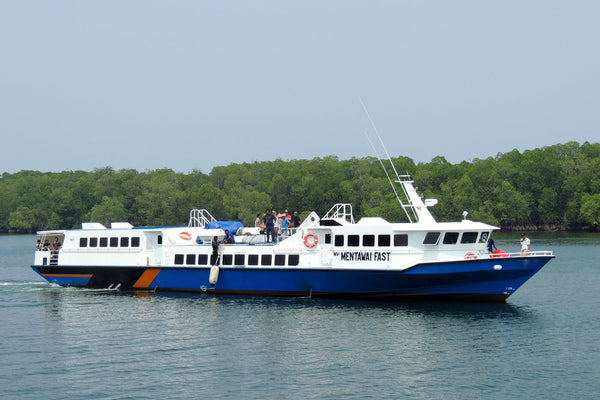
point(66, 343)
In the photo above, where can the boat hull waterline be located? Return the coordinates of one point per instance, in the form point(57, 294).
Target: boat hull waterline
point(478, 280)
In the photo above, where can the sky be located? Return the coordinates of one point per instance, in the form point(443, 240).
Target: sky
point(191, 84)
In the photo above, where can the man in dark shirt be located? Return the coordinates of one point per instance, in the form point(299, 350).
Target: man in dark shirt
point(215, 254)
point(295, 220)
point(269, 224)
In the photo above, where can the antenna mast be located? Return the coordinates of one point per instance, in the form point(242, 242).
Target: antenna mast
point(398, 180)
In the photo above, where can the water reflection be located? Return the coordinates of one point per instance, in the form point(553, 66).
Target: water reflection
point(55, 298)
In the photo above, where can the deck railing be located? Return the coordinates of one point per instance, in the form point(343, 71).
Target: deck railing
point(539, 253)
point(200, 218)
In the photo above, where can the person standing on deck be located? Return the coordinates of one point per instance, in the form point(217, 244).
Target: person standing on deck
point(258, 224)
point(285, 223)
point(215, 254)
point(56, 244)
point(525, 244)
point(269, 225)
point(491, 245)
point(276, 225)
point(296, 220)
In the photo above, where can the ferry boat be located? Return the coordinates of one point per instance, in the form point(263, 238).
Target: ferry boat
point(329, 256)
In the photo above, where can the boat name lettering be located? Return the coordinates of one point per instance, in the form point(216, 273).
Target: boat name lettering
point(365, 255)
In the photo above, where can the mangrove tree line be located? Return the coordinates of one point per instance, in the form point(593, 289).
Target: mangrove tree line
point(556, 187)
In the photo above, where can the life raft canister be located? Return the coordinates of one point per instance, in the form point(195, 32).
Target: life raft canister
point(310, 240)
point(499, 253)
point(185, 236)
point(470, 256)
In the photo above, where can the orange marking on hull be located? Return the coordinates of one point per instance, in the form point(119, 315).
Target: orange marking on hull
point(147, 277)
point(68, 275)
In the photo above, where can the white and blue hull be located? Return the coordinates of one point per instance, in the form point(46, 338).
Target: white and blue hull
point(481, 279)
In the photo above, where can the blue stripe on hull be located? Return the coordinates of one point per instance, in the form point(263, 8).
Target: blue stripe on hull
point(461, 278)
point(472, 277)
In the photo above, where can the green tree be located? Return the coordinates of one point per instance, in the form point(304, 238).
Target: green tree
point(110, 209)
point(590, 209)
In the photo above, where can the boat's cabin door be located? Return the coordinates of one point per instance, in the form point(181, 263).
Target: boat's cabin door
point(154, 248)
point(325, 244)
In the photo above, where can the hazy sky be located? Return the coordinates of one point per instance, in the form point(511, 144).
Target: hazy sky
point(196, 84)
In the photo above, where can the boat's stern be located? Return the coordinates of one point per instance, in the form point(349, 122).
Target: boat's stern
point(62, 278)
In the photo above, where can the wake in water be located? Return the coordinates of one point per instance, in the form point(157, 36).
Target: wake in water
point(24, 283)
point(42, 285)
point(14, 286)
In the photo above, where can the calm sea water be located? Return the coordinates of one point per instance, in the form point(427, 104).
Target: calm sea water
point(544, 343)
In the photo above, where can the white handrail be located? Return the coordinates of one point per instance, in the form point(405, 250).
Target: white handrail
point(539, 253)
point(200, 218)
point(341, 211)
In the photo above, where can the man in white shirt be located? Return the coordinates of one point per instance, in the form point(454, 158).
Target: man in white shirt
point(525, 244)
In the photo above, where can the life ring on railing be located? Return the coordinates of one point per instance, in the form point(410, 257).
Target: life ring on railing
point(470, 256)
point(310, 240)
point(185, 236)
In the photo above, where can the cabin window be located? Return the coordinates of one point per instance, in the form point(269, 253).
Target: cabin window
point(190, 259)
point(159, 239)
point(265, 259)
point(239, 259)
point(484, 237)
point(339, 240)
point(253, 259)
point(400, 239)
point(227, 259)
point(293, 259)
point(328, 238)
point(135, 242)
point(83, 242)
point(178, 259)
point(432, 238)
point(93, 242)
point(202, 259)
point(383, 240)
point(469, 237)
point(369, 240)
point(329, 222)
point(450, 238)
point(103, 242)
point(124, 242)
point(279, 259)
point(353, 240)
point(114, 242)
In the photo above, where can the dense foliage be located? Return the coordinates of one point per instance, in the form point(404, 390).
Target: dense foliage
point(556, 186)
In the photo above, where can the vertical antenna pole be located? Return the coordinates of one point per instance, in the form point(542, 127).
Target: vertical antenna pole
point(404, 207)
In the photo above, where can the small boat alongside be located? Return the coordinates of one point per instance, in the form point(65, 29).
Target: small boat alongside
point(329, 256)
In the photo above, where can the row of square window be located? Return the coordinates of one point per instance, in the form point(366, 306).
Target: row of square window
point(123, 241)
point(452, 237)
point(240, 259)
point(401, 239)
point(339, 240)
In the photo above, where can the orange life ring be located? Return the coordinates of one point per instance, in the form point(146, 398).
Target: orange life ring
point(470, 256)
point(310, 240)
point(185, 235)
